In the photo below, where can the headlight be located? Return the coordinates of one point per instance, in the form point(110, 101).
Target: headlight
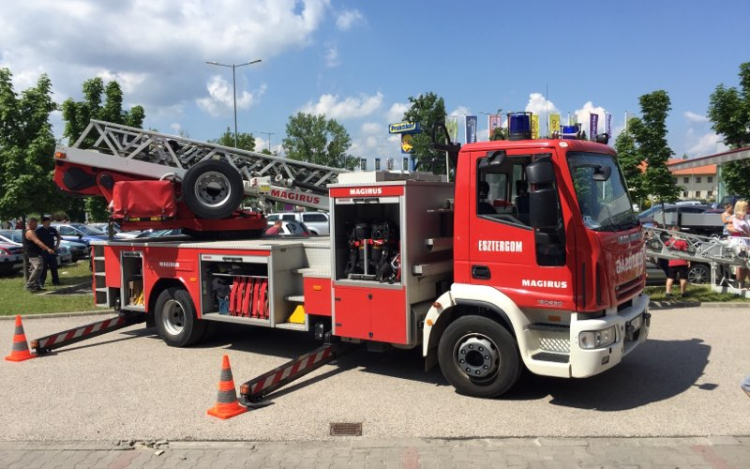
point(597, 339)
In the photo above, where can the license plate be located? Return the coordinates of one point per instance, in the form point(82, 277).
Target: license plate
point(634, 325)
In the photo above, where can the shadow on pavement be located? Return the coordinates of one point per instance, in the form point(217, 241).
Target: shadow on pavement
point(656, 371)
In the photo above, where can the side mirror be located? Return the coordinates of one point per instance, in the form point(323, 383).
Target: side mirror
point(495, 158)
point(602, 173)
point(543, 212)
point(540, 173)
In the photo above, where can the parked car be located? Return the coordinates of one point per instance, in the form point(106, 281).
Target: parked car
point(77, 250)
point(291, 228)
point(317, 222)
point(698, 273)
point(78, 232)
point(63, 255)
point(104, 227)
point(11, 258)
point(654, 214)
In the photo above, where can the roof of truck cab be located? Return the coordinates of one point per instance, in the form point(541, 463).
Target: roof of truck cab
point(569, 145)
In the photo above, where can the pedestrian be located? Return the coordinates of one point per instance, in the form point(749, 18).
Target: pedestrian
point(51, 238)
point(745, 385)
point(275, 229)
point(727, 219)
point(740, 232)
point(678, 268)
point(34, 248)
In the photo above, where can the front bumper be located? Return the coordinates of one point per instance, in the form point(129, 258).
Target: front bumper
point(589, 362)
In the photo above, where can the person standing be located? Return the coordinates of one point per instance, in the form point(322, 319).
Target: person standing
point(51, 238)
point(275, 229)
point(34, 249)
point(727, 219)
point(740, 232)
point(677, 267)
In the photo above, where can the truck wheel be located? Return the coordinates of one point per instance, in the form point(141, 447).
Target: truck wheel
point(176, 320)
point(212, 189)
point(699, 274)
point(479, 357)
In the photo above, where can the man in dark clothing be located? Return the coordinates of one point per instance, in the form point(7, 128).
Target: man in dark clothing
point(51, 238)
point(34, 249)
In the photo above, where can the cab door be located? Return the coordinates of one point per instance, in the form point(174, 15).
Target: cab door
point(529, 265)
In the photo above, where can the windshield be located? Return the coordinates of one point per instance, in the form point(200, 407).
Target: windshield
point(13, 235)
point(605, 205)
point(87, 230)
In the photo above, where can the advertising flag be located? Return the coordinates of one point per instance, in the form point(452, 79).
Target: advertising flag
point(554, 123)
point(471, 129)
point(534, 126)
point(451, 123)
point(496, 121)
point(363, 164)
point(593, 124)
point(608, 127)
point(377, 164)
point(405, 163)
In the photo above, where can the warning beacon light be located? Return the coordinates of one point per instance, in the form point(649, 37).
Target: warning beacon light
point(519, 126)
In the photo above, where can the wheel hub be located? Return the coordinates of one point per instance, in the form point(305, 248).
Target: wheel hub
point(213, 188)
point(477, 356)
point(174, 317)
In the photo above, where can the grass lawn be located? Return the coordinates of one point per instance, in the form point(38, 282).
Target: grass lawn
point(695, 294)
point(14, 299)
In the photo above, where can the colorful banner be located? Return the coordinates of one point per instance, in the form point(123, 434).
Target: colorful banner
point(407, 143)
point(471, 129)
point(377, 164)
point(535, 126)
point(573, 120)
point(405, 164)
point(593, 125)
point(608, 127)
point(363, 164)
point(451, 123)
point(495, 122)
point(554, 123)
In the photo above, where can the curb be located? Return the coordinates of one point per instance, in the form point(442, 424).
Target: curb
point(687, 304)
point(70, 314)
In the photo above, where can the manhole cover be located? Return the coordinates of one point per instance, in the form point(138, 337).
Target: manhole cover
point(346, 429)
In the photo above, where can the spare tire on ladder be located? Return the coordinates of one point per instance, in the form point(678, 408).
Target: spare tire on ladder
point(212, 189)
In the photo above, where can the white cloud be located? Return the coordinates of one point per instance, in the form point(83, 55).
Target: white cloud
point(540, 105)
point(693, 117)
point(348, 108)
point(332, 56)
point(461, 111)
point(176, 127)
point(396, 112)
point(221, 97)
point(347, 19)
point(156, 49)
point(707, 144)
point(584, 114)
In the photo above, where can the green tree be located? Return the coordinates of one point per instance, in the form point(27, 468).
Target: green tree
point(244, 141)
point(429, 110)
point(630, 161)
point(729, 111)
point(77, 116)
point(318, 140)
point(650, 132)
point(27, 145)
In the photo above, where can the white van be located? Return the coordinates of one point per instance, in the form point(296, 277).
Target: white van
point(316, 222)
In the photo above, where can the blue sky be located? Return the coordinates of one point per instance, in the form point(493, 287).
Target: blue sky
point(359, 62)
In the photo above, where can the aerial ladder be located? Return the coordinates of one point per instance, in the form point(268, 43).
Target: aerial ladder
point(721, 254)
point(211, 179)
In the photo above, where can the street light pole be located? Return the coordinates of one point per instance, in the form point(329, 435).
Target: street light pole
point(269, 138)
point(234, 88)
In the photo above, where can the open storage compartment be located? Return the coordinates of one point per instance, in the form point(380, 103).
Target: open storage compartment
point(132, 295)
point(236, 287)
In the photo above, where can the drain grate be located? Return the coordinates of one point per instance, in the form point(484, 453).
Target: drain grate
point(346, 429)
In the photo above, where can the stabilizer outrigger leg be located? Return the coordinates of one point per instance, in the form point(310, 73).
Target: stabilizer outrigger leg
point(253, 391)
point(46, 344)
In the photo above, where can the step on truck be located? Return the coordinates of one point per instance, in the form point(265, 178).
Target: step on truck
point(531, 259)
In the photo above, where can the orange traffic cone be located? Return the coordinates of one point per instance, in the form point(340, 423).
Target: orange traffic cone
point(227, 405)
point(20, 350)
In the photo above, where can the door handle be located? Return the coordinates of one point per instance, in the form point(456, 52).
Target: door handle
point(481, 272)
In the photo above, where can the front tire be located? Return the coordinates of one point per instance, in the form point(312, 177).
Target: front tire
point(479, 357)
point(176, 319)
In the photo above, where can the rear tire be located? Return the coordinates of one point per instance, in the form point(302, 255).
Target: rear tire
point(479, 357)
point(176, 319)
point(212, 189)
point(699, 274)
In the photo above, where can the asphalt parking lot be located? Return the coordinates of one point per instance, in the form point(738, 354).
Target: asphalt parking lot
point(130, 385)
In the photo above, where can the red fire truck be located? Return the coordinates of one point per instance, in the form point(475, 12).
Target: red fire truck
point(532, 258)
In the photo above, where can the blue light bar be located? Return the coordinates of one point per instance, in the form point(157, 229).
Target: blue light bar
point(519, 126)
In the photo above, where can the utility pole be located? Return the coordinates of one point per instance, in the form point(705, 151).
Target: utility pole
point(234, 88)
point(269, 138)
